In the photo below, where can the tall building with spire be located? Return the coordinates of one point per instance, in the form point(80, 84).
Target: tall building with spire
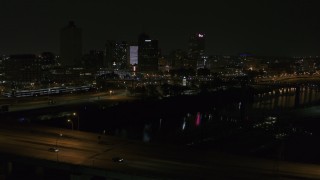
point(196, 49)
point(71, 45)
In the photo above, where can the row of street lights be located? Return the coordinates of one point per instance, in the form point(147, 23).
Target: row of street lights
point(71, 122)
point(75, 114)
point(56, 149)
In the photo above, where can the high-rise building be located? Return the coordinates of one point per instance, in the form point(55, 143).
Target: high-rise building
point(148, 54)
point(109, 54)
point(133, 55)
point(71, 45)
point(196, 49)
point(178, 59)
point(116, 55)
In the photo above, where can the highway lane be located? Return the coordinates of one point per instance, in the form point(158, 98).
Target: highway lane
point(147, 160)
point(20, 104)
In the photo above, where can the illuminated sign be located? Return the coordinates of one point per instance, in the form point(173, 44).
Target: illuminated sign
point(200, 35)
point(133, 55)
point(148, 40)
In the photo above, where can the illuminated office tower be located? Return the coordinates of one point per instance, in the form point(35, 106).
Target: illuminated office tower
point(133, 55)
point(116, 55)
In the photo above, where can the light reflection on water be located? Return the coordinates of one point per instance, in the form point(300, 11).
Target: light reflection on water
point(287, 98)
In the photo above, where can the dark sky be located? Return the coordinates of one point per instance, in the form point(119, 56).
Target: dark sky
point(261, 27)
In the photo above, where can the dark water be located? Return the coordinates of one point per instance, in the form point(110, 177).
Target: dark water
point(230, 121)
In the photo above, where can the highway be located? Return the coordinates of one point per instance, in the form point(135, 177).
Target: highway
point(147, 160)
point(20, 104)
point(141, 159)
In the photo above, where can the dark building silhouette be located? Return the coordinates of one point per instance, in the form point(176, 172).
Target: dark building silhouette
point(196, 49)
point(93, 60)
point(71, 45)
point(47, 58)
point(109, 54)
point(148, 54)
point(178, 59)
point(22, 68)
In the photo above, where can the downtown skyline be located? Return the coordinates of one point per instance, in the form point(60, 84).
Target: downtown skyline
point(270, 28)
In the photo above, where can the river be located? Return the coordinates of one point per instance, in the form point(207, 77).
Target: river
point(283, 124)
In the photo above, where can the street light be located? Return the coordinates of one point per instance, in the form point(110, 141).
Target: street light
point(60, 135)
point(75, 114)
point(56, 148)
point(69, 121)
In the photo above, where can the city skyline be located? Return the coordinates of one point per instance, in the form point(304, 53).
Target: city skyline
point(286, 28)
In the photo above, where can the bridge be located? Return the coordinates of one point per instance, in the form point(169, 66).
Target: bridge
point(25, 153)
point(288, 80)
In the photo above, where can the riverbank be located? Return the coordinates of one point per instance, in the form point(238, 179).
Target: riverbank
point(194, 122)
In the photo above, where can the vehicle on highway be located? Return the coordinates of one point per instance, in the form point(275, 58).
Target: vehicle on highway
point(117, 159)
point(53, 149)
point(51, 101)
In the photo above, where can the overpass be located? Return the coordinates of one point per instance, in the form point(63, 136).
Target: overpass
point(84, 155)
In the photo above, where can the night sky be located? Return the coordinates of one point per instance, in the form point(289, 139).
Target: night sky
point(260, 27)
